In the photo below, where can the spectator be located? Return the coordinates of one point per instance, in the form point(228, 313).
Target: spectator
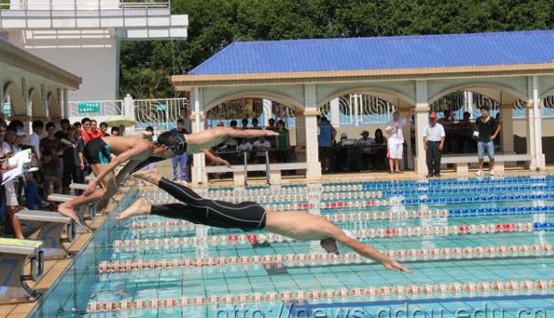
point(85, 127)
point(244, 146)
point(244, 123)
point(487, 128)
point(78, 127)
point(395, 141)
point(325, 140)
point(62, 133)
point(94, 132)
point(121, 130)
point(115, 131)
point(104, 129)
point(54, 145)
point(220, 124)
point(233, 124)
point(271, 124)
point(433, 142)
point(255, 124)
point(261, 146)
point(12, 206)
point(381, 151)
point(73, 161)
point(283, 142)
point(34, 140)
point(367, 151)
point(179, 160)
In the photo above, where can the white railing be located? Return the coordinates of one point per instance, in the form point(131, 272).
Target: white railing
point(162, 114)
point(84, 5)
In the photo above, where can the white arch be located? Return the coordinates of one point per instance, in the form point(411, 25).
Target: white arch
point(16, 99)
point(285, 100)
point(382, 93)
point(54, 109)
point(475, 87)
point(37, 108)
point(547, 93)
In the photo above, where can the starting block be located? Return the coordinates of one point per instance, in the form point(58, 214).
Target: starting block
point(13, 256)
point(53, 224)
point(91, 208)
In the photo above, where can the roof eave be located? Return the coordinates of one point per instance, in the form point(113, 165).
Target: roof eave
point(21, 59)
point(186, 82)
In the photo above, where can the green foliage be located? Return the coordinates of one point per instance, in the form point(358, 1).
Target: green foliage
point(146, 67)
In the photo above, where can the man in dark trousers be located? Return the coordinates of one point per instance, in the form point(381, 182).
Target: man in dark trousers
point(433, 142)
point(179, 160)
point(486, 130)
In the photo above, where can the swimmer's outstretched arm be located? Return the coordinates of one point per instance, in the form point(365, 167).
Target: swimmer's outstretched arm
point(208, 135)
point(368, 251)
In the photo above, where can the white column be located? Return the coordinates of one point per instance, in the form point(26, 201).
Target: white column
point(44, 99)
point(404, 110)
point(530, 130)
point(335, 112)
point(310, 115)
point(198, 171)
point(65, 104)
point(421, 122)
point(537, 119)
point(507, 127)
point(266, 111)
point(129, 106)
point(25, 94)
point(469, 102)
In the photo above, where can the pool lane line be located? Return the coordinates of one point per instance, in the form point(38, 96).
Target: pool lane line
point(295, 309)
point(390, 232)
point(376, 216)
point(321, 259)
point(468, 290)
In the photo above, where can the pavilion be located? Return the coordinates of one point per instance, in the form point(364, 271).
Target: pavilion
point(410, 71)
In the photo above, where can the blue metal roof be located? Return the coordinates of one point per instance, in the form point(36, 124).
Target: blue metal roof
point(395, 52)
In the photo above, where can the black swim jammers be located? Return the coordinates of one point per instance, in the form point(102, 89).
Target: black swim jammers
point(244, 215)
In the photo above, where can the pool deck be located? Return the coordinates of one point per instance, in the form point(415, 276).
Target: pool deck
point(54, 268)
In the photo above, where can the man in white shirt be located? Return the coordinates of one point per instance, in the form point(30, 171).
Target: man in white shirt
point(260, 146)
point(395, 141)
point(34, 138)
point(433, 142)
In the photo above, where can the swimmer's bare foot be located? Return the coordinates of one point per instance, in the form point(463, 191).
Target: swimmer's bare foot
point(69, 212)
point(140, 207)
point(151, 176)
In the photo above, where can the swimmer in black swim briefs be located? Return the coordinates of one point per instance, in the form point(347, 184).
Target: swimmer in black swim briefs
point(248, 216)
point(139, 151)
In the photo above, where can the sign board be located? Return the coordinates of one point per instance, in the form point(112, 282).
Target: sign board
point(89, 107)
point(7, 109)
point(161, 107)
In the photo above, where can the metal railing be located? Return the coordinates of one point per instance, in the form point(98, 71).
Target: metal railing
point(267, 168)
point(162, 114)
point(84, 5)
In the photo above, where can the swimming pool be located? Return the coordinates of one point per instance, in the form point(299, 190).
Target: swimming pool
point(477, 247)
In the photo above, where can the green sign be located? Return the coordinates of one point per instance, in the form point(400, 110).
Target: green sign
point(161, 107)
point(90, 107)
point(7, 109)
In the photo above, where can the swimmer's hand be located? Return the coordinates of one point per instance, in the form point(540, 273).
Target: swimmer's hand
point(270, 133)
point(395, 266)
point(222, 161)
point(90, 188)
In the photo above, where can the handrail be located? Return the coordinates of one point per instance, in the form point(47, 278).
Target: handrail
point(267, 168)
point(35, 5)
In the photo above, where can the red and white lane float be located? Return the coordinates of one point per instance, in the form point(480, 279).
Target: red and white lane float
point(469, 289)
point(361, 234)
point(302, 260)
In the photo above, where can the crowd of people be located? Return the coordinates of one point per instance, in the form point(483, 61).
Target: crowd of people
point(57, 160)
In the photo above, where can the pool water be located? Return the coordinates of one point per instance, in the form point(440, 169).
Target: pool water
point(477, 248)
